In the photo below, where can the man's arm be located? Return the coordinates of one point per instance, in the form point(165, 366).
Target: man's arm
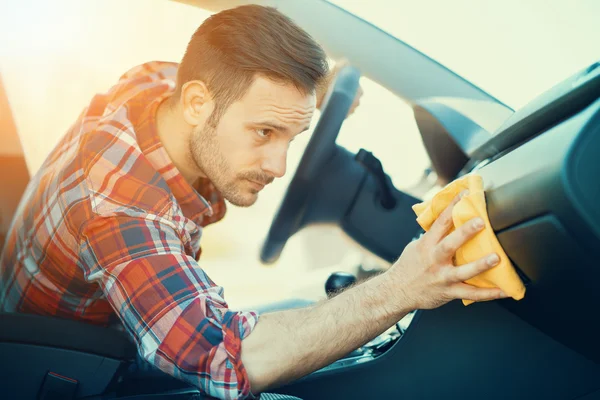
point(290, 344)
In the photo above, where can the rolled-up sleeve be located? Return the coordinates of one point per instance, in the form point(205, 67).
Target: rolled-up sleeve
point(175, 313)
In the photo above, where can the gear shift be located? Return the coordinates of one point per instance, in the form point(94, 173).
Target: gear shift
point(337, 282)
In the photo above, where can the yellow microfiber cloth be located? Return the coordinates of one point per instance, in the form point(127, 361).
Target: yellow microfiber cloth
point(485, 242)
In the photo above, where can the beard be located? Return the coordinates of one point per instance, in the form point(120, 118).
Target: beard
point(207, 155)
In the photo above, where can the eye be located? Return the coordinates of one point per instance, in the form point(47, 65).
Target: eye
point(263, 133)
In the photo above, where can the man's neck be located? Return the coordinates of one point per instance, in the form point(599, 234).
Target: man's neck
point(174, 134)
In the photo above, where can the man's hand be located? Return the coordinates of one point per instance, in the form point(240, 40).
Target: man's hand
point(326, 87)
point(425, 271)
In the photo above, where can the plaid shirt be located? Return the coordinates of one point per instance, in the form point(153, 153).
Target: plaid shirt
point(109, 228)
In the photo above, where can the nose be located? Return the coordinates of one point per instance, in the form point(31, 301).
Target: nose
point(274, 163)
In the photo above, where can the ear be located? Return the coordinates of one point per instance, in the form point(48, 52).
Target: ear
point(196, 102)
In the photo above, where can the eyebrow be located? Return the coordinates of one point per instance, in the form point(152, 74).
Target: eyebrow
point(277, 127)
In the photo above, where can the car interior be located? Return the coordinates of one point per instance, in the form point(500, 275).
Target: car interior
point(541, 169)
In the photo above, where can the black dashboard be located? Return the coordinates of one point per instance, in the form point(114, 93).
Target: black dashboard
point(542, 176)
point(543, 201)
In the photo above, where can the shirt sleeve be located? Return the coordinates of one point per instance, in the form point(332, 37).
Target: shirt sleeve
point(176, 314)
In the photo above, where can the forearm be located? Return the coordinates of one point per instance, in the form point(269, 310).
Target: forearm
point(290, 344)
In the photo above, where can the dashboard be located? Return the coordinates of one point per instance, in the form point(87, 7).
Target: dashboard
point(541, 171)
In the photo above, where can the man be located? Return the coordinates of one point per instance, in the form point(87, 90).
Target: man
point(109, 228)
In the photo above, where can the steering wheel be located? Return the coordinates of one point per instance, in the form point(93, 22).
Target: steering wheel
point(318, 153)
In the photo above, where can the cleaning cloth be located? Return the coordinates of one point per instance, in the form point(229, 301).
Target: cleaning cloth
point(473, 205)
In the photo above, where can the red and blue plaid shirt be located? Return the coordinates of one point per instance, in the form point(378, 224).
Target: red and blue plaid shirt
point(108, 227)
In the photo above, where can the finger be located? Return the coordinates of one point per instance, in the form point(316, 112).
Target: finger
point(339, 65)
point(357, 98)
point(447, 247)
point(470, 270)
point(468, 292)
point(353, 107)
point(443, 223)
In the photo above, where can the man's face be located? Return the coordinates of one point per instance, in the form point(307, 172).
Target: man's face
point(248, 147)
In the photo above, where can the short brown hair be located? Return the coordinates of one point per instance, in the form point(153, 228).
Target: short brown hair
point(231, 47)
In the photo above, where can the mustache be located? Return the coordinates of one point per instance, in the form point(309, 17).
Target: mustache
point(259, 177)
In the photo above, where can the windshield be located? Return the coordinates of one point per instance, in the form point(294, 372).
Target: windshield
point(512, 49)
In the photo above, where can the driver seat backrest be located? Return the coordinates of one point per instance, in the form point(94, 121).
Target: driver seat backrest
point(45, 354)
